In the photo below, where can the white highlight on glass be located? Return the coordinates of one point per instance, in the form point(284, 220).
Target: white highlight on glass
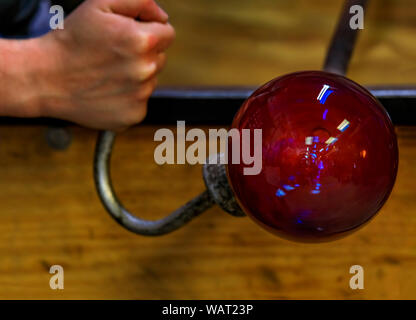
point(343, 125)
point(324, 88)
point(330, 140)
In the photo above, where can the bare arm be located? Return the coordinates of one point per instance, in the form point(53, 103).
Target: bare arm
point(99, 71)
point(19, 89)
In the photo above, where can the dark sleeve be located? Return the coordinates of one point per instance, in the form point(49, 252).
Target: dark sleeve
point(15, 16)
point(29, 18)
point(68, 5)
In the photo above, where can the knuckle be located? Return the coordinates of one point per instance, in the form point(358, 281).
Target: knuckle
point(144, 71)
point(171, 31)
point(162, 60)
point(147, 41)
point(146, 90)
point(151, 69)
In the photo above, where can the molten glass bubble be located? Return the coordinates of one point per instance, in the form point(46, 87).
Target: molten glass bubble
point(329, 156)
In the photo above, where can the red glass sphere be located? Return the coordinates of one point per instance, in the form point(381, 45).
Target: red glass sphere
point(329, 156)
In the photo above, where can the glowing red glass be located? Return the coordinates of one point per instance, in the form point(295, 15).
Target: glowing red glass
point(329, 156)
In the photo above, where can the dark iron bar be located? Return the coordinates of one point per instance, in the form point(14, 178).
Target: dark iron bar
point(217, 106)
point(343, 41)
point(207, 106)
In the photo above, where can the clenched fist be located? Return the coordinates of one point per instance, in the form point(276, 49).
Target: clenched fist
point(99, 71)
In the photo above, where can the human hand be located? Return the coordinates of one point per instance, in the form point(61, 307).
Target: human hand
point(102, 67)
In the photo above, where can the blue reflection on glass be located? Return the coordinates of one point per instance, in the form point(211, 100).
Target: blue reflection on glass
point(325, 96)
point(302, 215)
point(345, 128)
point(324, 114)
point(280, 193)
point(288, 187)
point(317, 179)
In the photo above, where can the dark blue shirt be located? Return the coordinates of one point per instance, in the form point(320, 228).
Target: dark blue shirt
point(24, 18)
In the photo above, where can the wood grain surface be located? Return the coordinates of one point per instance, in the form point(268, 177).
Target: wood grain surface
point(250, 42)
point(50, 213)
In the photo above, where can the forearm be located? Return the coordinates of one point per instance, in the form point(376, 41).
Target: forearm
point(22, 66)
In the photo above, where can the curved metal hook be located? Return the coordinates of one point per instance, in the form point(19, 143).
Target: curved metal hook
point(108, 197)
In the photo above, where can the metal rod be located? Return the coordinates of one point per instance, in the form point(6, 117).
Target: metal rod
point(343, 40)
